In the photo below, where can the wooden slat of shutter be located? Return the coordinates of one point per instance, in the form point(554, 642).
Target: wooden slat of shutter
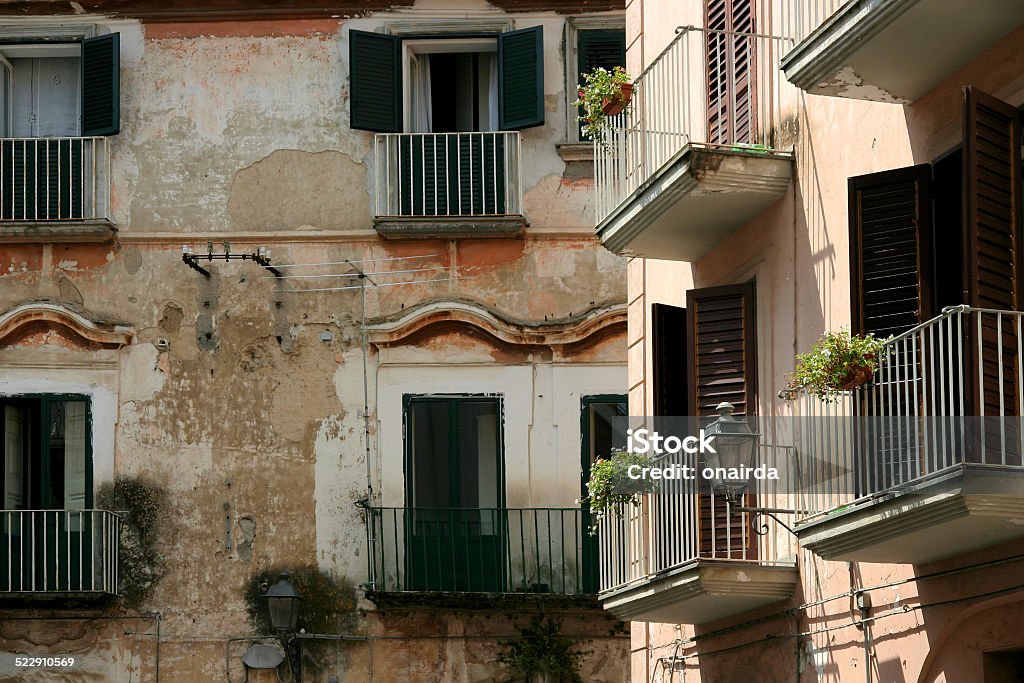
point(722, 366)
point(600, 48)
point(521, 78)
point(101, 85)
point(993, 246)
point(890, 250)
point(671, 388)
point(376, 86)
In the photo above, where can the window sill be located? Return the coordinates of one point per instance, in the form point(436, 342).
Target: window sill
point(576, 151)
point(50, 232)
point(448, 227)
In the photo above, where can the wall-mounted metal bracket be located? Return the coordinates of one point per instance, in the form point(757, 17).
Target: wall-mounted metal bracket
point(261, 256)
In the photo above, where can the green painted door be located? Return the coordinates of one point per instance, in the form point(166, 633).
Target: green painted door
point(455, 522)
point(601, 433)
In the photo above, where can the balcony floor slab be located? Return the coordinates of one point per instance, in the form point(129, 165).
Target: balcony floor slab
point(852, 54)
point(448, 227)
point(702, 591)
point(53, 232)
point(956, 512)
point(696, 200)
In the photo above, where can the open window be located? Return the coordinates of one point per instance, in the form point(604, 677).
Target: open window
point(445, 85)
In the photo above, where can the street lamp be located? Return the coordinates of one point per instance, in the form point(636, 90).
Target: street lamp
point(283, 608)
point(283, 605)
point(735, 454)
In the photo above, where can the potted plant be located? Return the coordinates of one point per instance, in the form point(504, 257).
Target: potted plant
point(610, 485)
point(605, 93)
point(838, 362)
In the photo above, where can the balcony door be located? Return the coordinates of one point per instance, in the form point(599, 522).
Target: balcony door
point(455, 525)
point(603, 427)
point(47, 469)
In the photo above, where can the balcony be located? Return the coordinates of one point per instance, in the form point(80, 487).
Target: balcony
point(849, 49)
point(504, 551)
point(55, 190)
point(924, 462)
point(448, 185)
point(702, 149)
point(683, 558)
point(55, 554)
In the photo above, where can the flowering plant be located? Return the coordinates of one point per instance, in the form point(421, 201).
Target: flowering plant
point(601, 88)
point(839, 361)
point(610, 487)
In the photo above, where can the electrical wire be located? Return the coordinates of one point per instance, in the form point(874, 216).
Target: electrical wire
point(325, 276)
point(342, 263)
point(379, 284)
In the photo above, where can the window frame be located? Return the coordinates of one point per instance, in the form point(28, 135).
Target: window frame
point(573, 27)
point(416, 45)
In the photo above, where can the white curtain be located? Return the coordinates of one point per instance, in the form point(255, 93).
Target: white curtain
point(492, 94)
point(46, 97)
point(419, 74)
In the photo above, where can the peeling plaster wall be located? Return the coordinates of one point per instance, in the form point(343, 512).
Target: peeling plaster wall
point(227, 396)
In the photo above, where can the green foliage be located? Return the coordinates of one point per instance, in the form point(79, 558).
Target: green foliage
point(328, 603)
point(142, 506)
point(542, 649)
point(830, 364)
point(610, 485)
point(601, 85)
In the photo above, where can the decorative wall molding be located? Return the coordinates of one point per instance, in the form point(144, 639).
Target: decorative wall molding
point(15, 323)
point(397, 330)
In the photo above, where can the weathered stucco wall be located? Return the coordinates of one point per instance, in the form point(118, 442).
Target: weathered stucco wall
point(231, 396)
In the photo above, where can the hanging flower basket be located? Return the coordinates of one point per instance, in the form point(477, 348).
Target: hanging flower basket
point(856, 375)
point(839, 362)
point(612, 106)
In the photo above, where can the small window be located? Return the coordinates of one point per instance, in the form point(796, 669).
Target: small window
point(591, 43)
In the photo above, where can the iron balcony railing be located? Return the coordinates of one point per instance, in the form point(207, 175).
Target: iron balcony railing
point(948, 393)
point(59, 551)
point(54, 179)
point(713, 88)
point(448, 175)
point(481, 550)
point(683, 522)
point(801, 18)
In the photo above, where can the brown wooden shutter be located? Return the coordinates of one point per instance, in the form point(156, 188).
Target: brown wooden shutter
point(730, 70)
point(992, 243)
point(722, 365)
point(671, 391)
point(890, 250)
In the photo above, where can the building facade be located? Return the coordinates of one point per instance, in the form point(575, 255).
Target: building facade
point(319, 284)
point(792, 167)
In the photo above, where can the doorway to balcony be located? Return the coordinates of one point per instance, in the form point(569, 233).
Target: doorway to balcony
point(46, 530)
point(603, 430)
point(455, 526)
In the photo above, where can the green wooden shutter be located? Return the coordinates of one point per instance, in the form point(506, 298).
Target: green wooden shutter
point(890, 250)
point(722, 366)
point(101, 85)
point(376, 86)
point(521, 78)
point(604, 48)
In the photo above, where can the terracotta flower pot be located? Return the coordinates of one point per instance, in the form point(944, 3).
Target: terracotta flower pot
point(614, 105)
point(856, 375)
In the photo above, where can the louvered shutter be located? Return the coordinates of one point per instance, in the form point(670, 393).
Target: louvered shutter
point(671, 390)
point(992, 246)
point(603, 48)
point(101, 85)
point(376, 87)
point(722, 366)
point(890, 250)
point(730, 71)
point(521, 78)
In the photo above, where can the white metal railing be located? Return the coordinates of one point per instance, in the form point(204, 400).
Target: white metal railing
point(707, 87)
point(801, 18)
point(59, 551)
point(448, 174)
point(947, 393)
point(683, 521)
point(54, 179)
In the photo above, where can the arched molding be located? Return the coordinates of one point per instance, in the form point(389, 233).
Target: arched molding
point(414, 322)
point(18, 322)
